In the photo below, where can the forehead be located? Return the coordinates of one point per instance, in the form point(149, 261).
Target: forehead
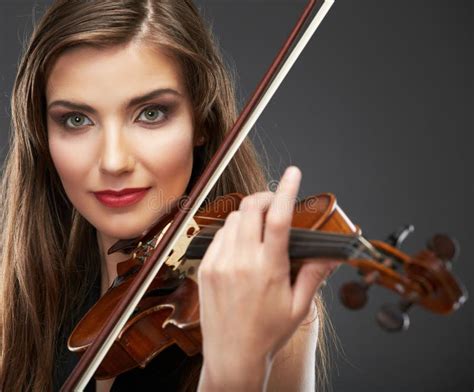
point(87, 73)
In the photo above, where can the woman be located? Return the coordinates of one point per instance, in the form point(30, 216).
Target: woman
point(115, 95)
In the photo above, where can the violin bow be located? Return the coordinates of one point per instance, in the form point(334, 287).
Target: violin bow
point(284, 61)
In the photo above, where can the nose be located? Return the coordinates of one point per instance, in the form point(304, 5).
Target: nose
point(115, 155)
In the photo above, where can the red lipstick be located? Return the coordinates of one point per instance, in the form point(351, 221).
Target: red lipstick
point(123, 198)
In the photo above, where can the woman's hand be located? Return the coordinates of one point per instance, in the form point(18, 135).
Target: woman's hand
point(248, 307)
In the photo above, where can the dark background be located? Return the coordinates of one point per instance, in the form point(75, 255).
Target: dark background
point(378, 110)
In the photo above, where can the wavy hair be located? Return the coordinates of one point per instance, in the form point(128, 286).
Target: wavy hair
point(49, 253)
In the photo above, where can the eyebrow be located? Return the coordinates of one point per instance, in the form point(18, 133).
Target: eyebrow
point(133, 102)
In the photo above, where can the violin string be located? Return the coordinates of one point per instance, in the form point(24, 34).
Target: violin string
point(300, 231)
point(353, 252)
point(305, 242)
point(315, 244)
point(302, 243)
point(305, 238)
point(301, 238)
point(301, 234)
point(296, 240)
point(363, 244)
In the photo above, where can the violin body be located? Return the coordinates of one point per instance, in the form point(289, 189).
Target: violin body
point(169, 311)
point(149, 331)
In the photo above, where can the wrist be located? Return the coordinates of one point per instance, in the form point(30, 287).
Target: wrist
point(234, 375)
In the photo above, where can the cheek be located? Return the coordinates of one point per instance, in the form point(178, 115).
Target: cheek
point(163, 160)
point(71, 160)
point(170, 159)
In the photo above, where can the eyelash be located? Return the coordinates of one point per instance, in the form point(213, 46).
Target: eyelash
point(164, 109)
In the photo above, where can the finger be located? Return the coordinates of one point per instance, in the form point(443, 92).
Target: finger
point(213, 250)
point(311, 275)
point(206, 266)
point(231, 228)
point(252, 209)
point(280, 213)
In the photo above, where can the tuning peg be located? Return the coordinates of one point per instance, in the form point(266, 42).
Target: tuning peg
point(445, 247)
point(353, 295)
point(397, 237)
point(394, 317)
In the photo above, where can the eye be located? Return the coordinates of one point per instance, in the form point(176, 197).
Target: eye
point(75, 120)
point(153, 114)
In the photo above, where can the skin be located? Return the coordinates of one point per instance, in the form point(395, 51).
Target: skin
point(119, 146)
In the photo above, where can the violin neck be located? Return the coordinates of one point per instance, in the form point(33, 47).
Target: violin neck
point(303, 244)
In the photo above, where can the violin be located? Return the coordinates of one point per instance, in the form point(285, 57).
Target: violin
point(153, 303)
point(168, 313)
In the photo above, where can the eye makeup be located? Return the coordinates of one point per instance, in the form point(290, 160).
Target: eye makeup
point(150, 116)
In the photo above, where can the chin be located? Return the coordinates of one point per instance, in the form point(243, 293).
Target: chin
point(121, 226)
point(114, 230)
point(122, 234)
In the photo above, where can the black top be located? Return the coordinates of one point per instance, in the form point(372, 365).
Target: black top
point(163, 373)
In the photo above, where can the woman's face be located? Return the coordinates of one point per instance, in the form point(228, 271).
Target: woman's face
point(120, 118)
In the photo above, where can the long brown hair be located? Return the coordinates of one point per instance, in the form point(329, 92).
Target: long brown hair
point(49, 252)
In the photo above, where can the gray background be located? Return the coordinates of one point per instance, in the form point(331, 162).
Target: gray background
point(378, 110)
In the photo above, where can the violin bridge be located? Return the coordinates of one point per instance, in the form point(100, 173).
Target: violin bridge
point(175, 259)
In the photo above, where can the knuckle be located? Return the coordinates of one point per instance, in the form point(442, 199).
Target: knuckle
point(208, 274)
point(242, 272)
point(266, 196)
point(256, 201)
point(277, 277)
point(277, 223)
point(232, 217)
point(247, 202)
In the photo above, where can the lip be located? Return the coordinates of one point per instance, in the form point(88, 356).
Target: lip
point(122, 198)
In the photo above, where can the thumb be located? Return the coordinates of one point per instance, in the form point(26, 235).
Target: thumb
point(311, 275)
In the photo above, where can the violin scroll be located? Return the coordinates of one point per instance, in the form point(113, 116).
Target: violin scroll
point(424, 279)
point(354, 294)
point(445, 247)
